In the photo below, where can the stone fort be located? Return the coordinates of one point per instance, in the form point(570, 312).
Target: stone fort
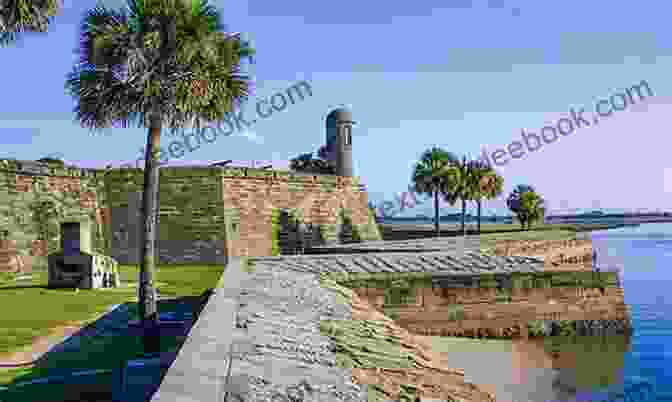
point(206, 213)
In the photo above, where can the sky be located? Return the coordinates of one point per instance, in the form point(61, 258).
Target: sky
point(457, 74)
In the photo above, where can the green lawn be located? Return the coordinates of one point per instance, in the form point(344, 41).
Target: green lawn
point(36, 309)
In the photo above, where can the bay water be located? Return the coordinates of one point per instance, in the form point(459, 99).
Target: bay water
point(591, 368)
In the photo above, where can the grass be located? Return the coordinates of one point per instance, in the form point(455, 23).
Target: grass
point(36, 309)
point(453, 229)
point(489, 241)
point(248, 265)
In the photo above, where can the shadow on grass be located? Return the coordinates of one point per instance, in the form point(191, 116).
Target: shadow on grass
point(18, 287)
point(99, 349)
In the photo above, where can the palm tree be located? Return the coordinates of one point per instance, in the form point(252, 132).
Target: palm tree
point(435, 174)
point(161, 63)
point(17, 16)
point(533, 205)
point(485, 183)
point(527, 204)
point(461, 189)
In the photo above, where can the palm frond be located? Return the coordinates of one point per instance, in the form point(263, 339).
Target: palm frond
point(106, 37)
point(120, 78)
point(19, 16)
point(437, 170)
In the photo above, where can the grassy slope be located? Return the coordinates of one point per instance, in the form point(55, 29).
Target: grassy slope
point(37, 309)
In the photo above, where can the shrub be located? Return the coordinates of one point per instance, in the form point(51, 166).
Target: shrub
point(456, 313)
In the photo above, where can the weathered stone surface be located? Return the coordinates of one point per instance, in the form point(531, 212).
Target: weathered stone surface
point(431, 262)
point(206, 214)
point(11, 260)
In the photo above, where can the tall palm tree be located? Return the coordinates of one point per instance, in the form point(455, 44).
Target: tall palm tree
point(484, 183)
point(18, 16)
point(159, 63)
point(435, 174)
point(461, 188)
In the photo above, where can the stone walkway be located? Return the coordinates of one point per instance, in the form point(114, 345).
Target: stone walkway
point(266, 325)
point(258, 337)
point(450, 263)
point(452, 244)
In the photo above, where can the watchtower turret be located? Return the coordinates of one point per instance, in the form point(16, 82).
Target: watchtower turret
point(339, 140)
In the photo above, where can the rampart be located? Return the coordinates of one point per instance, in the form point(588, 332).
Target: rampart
point(35, 198)
point(205, 213)
point(502, 306)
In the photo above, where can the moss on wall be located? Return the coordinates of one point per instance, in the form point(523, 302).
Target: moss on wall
point(541, 280)
point(455, 312)
point(276, 230)
point(33, 206)
point(503, 296)
point(287, 234)
point(370, 231)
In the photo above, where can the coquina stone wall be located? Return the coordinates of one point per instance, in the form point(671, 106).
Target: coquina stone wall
point(275, 212)
point(36, 198)
point(510, 306)
point(205, 213)
point(209, 213)
point(575, 253)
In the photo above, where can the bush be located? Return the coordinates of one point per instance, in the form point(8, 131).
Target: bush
point(536, 328)
point(456, 313)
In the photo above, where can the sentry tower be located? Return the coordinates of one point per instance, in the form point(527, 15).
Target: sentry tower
point(339, 140)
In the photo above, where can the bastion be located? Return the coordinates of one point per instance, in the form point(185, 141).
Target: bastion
point(206, 214)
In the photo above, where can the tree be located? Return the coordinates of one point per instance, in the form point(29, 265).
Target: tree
point(18, 16)
point(161, 63)
point(484, 183)
point(464, 190)
point(460, 188)
point(435, 173)
point(48, 159)
point(307, 164)
point(526, 204)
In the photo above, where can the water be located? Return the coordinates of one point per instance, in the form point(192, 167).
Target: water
point(645, 253)
point(587, 370)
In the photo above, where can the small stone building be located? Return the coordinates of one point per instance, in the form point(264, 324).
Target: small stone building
point(76, 266)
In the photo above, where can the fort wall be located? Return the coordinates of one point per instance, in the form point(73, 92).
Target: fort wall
point(205, 213)
point(426, 306)
point(36, 198)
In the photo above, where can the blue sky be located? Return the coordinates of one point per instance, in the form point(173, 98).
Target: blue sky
point(461, 76)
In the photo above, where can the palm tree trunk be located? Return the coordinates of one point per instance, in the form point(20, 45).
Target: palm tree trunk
point(464, 212)
point(147, 303)
point(436, 213)
point(478, 203)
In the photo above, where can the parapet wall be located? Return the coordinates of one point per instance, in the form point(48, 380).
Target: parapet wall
point(208, 214)
point(334, 207)
point(190, 215)
point(508, 306)
point(205, 213)
point(574, 253)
